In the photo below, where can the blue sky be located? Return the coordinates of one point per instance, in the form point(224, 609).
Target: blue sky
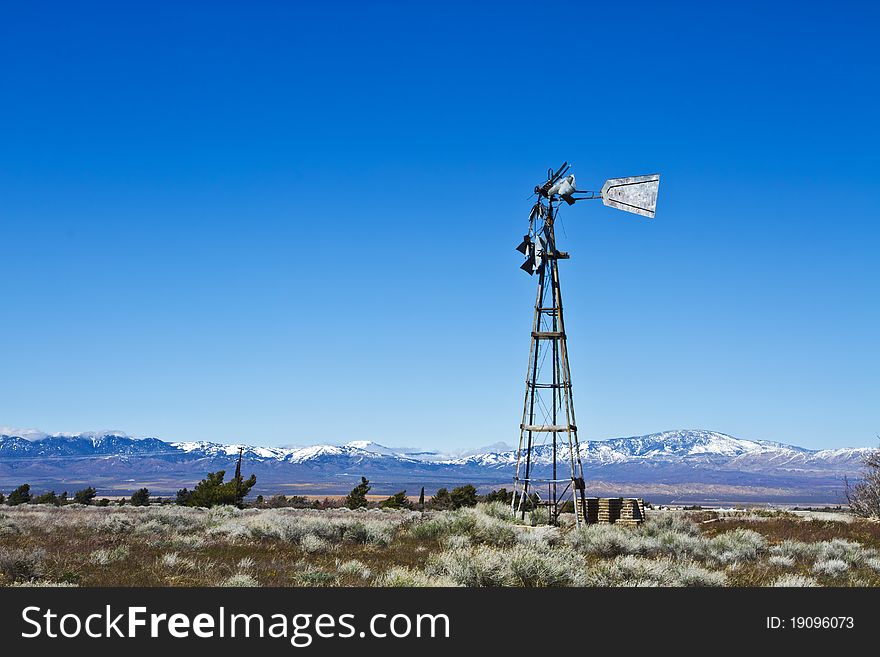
point(286, 224)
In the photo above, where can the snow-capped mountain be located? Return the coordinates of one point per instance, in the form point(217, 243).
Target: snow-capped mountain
point(657, 465)
point(668, 446)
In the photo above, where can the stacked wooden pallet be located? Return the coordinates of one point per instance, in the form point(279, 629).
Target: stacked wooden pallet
point(611, 510)
point(592, 506)
point(632, 511)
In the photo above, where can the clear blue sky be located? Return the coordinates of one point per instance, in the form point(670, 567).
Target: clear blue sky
point(283, 224)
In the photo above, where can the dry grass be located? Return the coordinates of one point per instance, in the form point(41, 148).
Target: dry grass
point(173, 546)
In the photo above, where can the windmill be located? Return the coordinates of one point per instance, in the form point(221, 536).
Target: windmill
point(548, 429)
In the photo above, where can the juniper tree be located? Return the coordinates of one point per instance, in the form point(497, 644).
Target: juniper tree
point(213, 491)
point(396, 501)
point(21, 495)
point(463, 496)
point(46, 498)
point(141, 497)
point(184, 496)
point(441, 500)
point(358, 496)
point(502, 495)
point(85, 496)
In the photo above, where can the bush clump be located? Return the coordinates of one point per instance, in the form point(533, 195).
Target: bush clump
point(18, 565)
point(791, 580)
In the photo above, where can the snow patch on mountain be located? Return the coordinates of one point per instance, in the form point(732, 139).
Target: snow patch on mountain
point(375, 448)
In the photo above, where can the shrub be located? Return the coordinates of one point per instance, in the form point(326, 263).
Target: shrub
point(864, 496)
point(21, 565)
point(240, 580)
point(781, 561)
point(679, 545)
point(311, 576)
point(363, 527)
point(468, 522)
point(7, 526)
point(456, 541)
point(736, 546)
point(539, 516)
point(354, 568)
point(831, 567)
point(790, 580)
point(400, 576)
point(796, 550)
point(543, 536)
point(434, 526)
point(534, 566)
point(658, 523)
point(520, 565)
point(693, 574)
point(104, 556)
point(357, 498)
point(188, 542)
point(632, 570)
point(496, 509)
point(311, 543)
point(115, 524)
point(174, 561)
point(849, 551)
point(480, 566)
point(489, 530)
point(608, 541)
point(246, 563)
point(367, 533)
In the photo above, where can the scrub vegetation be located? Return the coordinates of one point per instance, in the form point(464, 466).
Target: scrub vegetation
point(88, 545)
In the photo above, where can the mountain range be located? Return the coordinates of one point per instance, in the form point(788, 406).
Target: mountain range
point(682, 466)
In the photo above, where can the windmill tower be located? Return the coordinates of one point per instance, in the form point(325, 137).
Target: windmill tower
point(549, 453)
